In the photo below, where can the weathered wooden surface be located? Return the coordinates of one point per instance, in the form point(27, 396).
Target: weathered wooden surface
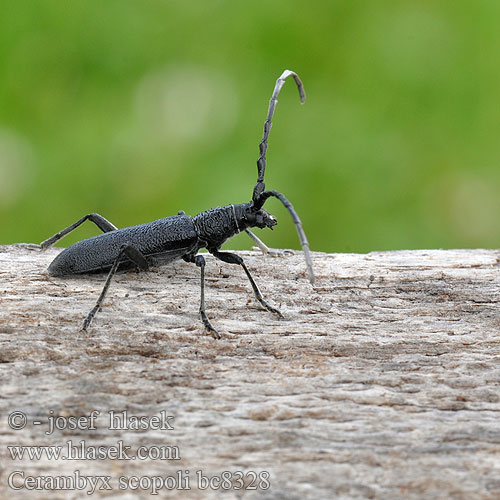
point(381, 382)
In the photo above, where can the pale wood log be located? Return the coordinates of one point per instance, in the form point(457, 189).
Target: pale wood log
point(382, 381)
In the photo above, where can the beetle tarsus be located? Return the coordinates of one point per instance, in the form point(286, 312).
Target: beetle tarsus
point(90, 317)
point(208, 326)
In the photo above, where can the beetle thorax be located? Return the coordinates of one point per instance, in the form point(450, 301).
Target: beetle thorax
point(217, 225)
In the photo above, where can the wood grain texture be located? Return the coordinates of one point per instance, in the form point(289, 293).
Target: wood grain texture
point(382, 381)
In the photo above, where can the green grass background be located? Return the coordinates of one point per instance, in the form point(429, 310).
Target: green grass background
point(136, 109)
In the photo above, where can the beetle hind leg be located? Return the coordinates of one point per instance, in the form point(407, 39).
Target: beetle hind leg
point(103, 224)
point(136, 257)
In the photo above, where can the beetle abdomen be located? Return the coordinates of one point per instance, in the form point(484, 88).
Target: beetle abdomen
point(99, 252)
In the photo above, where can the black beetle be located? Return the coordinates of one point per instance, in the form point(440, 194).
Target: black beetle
point(180, 237)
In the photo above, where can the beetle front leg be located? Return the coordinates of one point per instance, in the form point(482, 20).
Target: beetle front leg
point(273, 252)
point(103, 224)
point(232, 258)
point(136, 257)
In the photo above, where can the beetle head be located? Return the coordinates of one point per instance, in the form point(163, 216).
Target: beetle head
point(258, 217)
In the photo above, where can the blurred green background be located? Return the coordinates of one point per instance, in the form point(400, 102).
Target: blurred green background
point(136, 109)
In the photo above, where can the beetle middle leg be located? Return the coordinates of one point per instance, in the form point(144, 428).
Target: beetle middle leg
point(136, 257)
point(232, 258)
point(199, 260)
point(103, 224)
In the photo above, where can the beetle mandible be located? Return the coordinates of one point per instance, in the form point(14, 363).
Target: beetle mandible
point(180, 236)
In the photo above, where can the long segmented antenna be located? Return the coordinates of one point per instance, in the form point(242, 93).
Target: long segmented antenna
point(298, 224)
point(261, 162)
point(259, 194)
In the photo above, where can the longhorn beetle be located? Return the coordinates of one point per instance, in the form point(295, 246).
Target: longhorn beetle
point(180, 236)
